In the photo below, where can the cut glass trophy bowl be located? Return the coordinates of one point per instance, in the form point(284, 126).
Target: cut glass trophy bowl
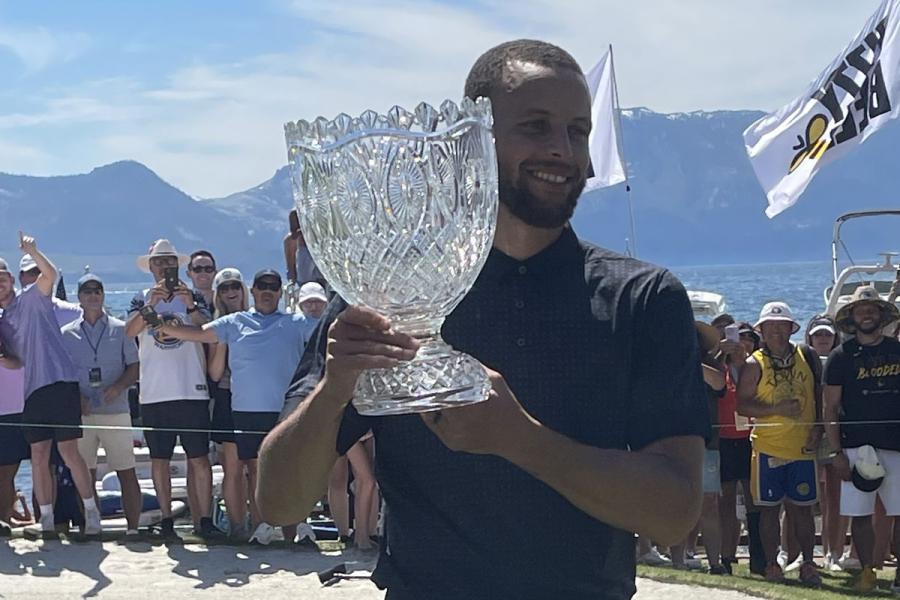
point(399, 211)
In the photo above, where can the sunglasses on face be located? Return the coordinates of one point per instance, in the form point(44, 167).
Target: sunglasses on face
point(203, 269)
point(272, 286)
point(230, 287)
point(91, 290)
point(164, 261)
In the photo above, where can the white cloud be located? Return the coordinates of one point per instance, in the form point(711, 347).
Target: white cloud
point(213, 129)
point(38, 47)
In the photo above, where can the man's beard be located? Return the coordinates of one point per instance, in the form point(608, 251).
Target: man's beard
point(867, 329)
point(532, 211)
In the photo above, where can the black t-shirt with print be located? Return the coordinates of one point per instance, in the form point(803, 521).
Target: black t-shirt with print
point(596, 346)
point(870, 380)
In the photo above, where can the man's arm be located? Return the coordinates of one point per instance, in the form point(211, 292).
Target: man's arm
point(749, 405)
point(127, 379)
point(632, 482)
point(290, 256)
point(191, 333)
point(47, 279)
point(217, 362)
point(296, 457)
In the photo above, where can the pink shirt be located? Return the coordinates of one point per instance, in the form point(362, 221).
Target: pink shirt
point(12, 391)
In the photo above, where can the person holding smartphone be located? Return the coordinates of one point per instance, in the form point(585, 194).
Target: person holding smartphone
point(174, 391)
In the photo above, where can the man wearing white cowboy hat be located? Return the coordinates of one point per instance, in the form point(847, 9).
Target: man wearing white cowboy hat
point(779, 386)
point(862, 384)
point(174, 391)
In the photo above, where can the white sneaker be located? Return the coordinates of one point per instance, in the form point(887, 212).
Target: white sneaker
point(263, 534)
point(654, 559)
point(832, 564)
point(849, 563)
point(782, 559)
point(92, 522)
point(794, 565)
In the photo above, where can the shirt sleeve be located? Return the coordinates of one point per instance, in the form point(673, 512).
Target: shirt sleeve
point(835, 367)
point(225, 328)
point(667, 397)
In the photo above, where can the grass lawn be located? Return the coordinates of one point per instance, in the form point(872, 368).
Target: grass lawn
point(835, 586)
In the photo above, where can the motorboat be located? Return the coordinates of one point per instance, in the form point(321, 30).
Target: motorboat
point(706, 305)
point(881, 274)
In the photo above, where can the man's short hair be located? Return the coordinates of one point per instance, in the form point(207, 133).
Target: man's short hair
point(489, 71)
point(205, 253)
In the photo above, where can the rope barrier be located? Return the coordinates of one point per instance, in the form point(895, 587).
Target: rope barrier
point(250, 431)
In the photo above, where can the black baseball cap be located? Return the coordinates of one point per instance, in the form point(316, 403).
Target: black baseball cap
point(266, 273)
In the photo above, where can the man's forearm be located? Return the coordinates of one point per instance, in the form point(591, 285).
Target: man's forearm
point(648, 492)
point(190, 333)
point(135, 325)
point(296, 458)
point(47, 278)
point(198, 318)
point(754, 408)
point(129, 377)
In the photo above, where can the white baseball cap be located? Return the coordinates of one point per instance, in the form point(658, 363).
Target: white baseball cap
point(311, 291)
point(27, 263)
point(777, 311)
point(4, 266)
point(227, 274)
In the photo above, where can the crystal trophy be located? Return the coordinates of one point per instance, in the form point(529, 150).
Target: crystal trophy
point(399, 212)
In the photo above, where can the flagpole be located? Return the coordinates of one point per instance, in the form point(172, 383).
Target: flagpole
point(620, 142)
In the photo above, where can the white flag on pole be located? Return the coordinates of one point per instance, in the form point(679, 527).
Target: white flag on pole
point(606, 156)
point(850, 100)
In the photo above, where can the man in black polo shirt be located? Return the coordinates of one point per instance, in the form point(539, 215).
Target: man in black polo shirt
point(596, 422)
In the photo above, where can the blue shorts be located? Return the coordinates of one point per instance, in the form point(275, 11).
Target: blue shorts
point(772, 479)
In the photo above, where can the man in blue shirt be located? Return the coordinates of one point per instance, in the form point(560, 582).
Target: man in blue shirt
point(264, 347)
point(107, 364)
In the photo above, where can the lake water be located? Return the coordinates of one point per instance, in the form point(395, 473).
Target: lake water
point(745, 287)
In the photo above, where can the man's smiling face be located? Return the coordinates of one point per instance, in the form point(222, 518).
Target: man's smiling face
point(542, 120)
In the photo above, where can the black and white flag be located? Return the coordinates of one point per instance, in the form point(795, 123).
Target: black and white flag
point(850, 100)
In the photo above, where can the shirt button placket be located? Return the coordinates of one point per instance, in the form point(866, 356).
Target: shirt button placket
point(519, 303)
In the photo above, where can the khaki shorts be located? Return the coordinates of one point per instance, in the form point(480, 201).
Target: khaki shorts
point(117, 443)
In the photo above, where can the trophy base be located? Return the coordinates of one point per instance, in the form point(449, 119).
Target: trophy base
point(438, 377)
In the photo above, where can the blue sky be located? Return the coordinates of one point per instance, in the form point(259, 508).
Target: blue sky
point(198, 90)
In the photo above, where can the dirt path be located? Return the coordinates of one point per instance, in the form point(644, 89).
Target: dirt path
point(63, 570)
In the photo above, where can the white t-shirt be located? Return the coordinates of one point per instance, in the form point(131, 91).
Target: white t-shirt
point(170, 369)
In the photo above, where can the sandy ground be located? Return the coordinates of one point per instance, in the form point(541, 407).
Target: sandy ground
point(37, 570)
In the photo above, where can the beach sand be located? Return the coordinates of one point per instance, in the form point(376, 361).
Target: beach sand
point(62, 569)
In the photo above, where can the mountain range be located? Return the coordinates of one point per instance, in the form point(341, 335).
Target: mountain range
point(694, 196)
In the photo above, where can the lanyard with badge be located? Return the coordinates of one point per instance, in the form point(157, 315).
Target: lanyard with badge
point(94, 374)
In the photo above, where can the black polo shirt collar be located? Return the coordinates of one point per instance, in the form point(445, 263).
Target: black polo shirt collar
point(545, 264)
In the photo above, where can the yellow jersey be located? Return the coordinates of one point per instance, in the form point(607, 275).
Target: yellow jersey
point(779, 436)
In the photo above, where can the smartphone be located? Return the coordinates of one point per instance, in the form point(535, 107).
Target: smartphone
point(731, 333)
point(150, 316)
point(171, 278)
